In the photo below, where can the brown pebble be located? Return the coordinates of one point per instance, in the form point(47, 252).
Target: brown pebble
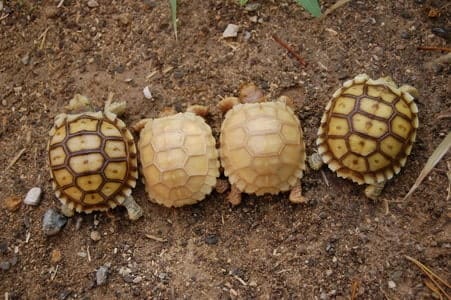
point(55, 256)
point(51, 12)
point(12, 203)
point(124, 19)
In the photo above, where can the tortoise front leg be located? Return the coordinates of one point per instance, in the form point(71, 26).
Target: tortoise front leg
point(315, 161)
point(373, 191)
point(67, 210)
point(133, 209)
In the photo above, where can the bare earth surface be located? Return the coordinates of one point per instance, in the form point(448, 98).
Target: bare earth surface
point(265, 248)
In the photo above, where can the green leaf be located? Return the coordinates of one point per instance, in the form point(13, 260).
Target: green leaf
point(312, 6)
point(173, 4)
point(243, 2)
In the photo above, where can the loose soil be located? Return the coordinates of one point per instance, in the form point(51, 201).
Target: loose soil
point(337, 244)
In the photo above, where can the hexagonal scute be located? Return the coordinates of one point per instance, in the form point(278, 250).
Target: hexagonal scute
point(266, 165)
point(74, 193)
point(286, 171)
point(93, 199)
point(381, 92)
point(376, 108)
point(159, 192)
point(377, 162)
point(152, 175)
point(57, 156)
point(83, 124)
point(263, 125)
point(179, 193)
point(109, 129)
point(267, 181)
point(262, 145)
point(355, 163)
point(404, 108)
point(356, 89)
point(234, 138)
point(116, 170)
point(146, 155)
point(238, 158)
point(286, 116)
point(110, 188)
point(391, 146)
point(115, 149)
point(401, 127)
point(338, 126)
point(89, 183)
point(291, 134)
point(84, 142)
point(337, 147)
point(193, 127)
point(368, 126)
point(62, 177)
point(86, 162)
point(247, 174)
point(174, 178)
point(58, 136)
point(292, 154)
point(362, 146)
point(195, 145)
point(195, 183)
point(168, 140)
point(343, 105)
point(259, 110)
point(170, 159)
point(197, 165)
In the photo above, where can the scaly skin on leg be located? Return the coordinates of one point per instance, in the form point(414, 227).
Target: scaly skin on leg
point(67, 211)
point(234, 196)
point(222, 185)
point(137, 127)
point(296, 194)
point(315, 161)
point(373, 191)
point(133, 209)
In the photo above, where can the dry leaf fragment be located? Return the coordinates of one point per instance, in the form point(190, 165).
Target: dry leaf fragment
point(435, 157)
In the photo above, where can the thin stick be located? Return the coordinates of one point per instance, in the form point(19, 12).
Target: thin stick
point(431, 275)
point(16, 158)
point(289, 49)
point(432, 48)
point(155, 238)
point(44, 36)
point(60, 4)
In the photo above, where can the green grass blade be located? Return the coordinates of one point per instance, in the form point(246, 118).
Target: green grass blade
point(173, 4)
point(312, 6)
point(243, 2)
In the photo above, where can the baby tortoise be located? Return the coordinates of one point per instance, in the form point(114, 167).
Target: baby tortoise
point(261, 145)
point(367, 131)
point(93, 161)
point(178, 157)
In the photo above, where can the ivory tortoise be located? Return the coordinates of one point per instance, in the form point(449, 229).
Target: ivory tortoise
point(261, 146)
point(367, 131)
point(93, 162)
point(178, 157)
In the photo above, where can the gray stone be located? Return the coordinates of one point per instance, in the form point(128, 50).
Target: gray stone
point(102, 275)
point(52, 222)
point(93, 4)
point(33, 196)
point(5, 265)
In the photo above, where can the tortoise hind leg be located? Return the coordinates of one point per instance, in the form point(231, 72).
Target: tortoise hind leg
point(234, 196)
point(373, 191)
point(296, 194)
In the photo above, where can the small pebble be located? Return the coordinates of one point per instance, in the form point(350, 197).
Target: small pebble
point(25, 59)
point(211, 239)
point(102, 275)
point(55, 256)
point(12, 203)
point(147, 93)
point(4, 103)
point(253, 6)
point(78, 223)
point(137, 279)
point(95, 236)
point(124, 271)
point(405, 35)
point(33, 196)
point(253, 283)
point(3, 247)
point(93, 4)
point(329, 272)
point(391, 284)
point(124, 19)
point(5, 265)
point(53, 222)
point(231, 31)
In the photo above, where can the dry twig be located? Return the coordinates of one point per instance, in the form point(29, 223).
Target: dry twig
point(15, 159)
point(155, 238)
point(435, 280)
point(289, 49)
point(337, 4)
point(435, 157)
